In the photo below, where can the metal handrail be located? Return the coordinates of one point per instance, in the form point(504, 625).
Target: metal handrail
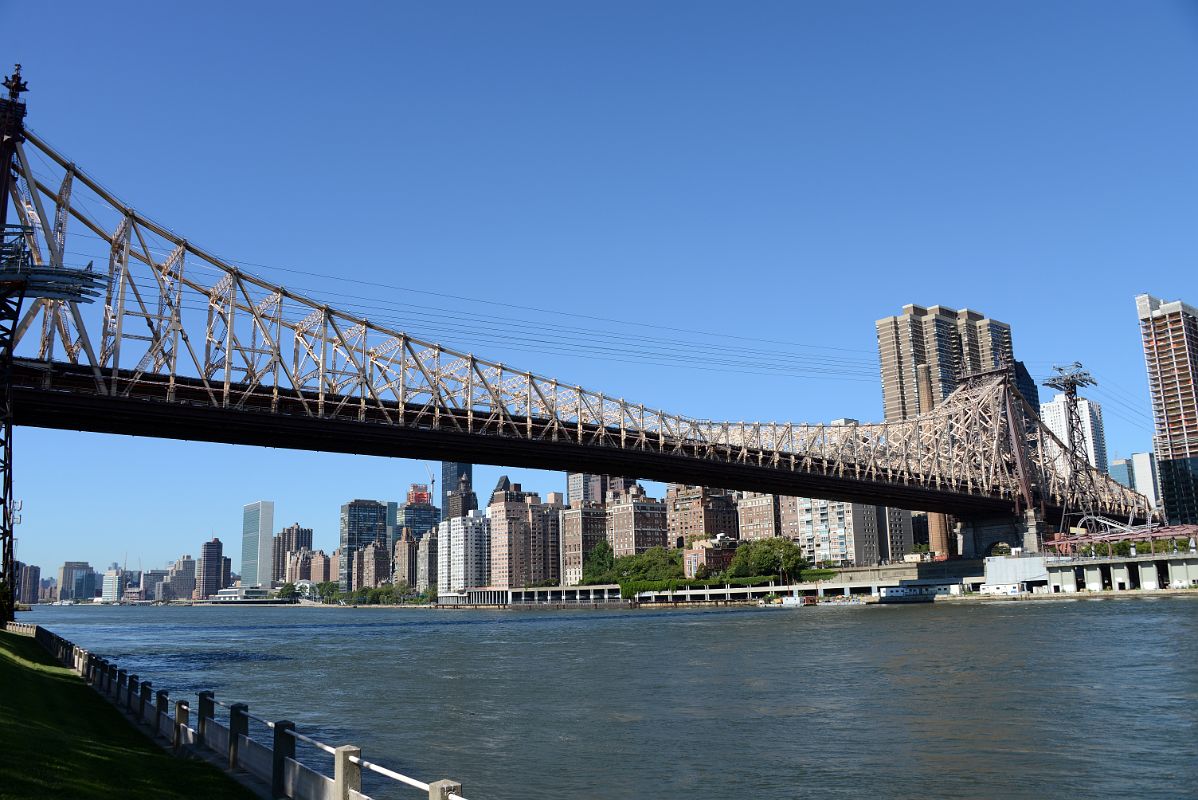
point(361, 762)
point(318, 745)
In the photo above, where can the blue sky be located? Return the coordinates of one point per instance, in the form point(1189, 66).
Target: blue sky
point(718, 199)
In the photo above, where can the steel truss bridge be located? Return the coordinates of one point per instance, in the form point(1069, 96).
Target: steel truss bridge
point(186, 345)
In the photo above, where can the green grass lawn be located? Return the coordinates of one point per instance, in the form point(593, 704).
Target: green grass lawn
point(60, 739)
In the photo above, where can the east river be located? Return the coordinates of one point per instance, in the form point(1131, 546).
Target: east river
point(1085, 698)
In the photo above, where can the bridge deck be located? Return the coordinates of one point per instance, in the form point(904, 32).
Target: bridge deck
point(65, 397)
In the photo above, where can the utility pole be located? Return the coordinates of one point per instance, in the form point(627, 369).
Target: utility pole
point(1068, 380)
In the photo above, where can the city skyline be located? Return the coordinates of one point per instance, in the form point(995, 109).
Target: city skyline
point(770, 183)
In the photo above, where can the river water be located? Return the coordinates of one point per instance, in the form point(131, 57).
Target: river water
point(1085, 698)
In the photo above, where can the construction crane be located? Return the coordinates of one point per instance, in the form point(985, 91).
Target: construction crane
point(432, 481)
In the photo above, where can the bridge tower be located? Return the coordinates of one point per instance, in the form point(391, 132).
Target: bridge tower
point(24, 273)
point(1025, 528)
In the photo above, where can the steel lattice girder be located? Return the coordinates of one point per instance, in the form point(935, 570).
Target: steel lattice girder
point(177, 320)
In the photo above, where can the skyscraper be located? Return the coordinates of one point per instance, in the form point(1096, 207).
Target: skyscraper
point(461, 501)
point(76, 581)
point(403, 558)
point(418, 513)
point(209, 579)
point(362, 522)
point(257, 537)
point(1170, 335)
point(452, 473)
point(290, 539)
point(29, 578)
point(1093, 443)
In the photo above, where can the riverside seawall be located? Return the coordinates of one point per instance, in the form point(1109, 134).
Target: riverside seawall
point(267, 765)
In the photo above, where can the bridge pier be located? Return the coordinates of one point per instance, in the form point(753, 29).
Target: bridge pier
point(977, 537)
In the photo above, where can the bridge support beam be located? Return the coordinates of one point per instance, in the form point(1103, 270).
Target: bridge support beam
point(977, 537)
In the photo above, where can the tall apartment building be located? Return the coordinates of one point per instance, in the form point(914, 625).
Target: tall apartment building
point(1093, 443)
point(418, 512)
point(362, 522)
point(1170, 336)
point(290, 539)
point(452, 473)
point(585, 487)
point(697, 512)
point(111, 591)
point(635, 522)
point(525, 537)
point(209, 579)
point(151, 583)
point(180, 581)
point(403, 558)
point(951, 343)
point(427, 562)
point(299, 566)
point(320, 568)
point(372, 566)
point(461, 501)
point(463, 553)
point(760, 516)
point(583, 527)
point(852, 533)
point(257, 538)
point(29, 578)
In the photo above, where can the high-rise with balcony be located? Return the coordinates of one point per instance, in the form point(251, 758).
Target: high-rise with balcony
point(257, 541)
point(1170, 334)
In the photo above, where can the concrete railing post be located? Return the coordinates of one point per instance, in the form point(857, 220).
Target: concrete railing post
point(346, 774)
point(130, 692)
point(122, 679)
point(441, 790)
point(147, 689)
point(284, 748)
point(162, 698)
point(205, 712)
point(239, 725)
point(182, 712)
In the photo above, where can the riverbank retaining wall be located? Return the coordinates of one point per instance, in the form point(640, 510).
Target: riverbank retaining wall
point(222, 733)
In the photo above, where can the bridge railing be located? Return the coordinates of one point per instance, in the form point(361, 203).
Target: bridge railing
point(266, 751)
